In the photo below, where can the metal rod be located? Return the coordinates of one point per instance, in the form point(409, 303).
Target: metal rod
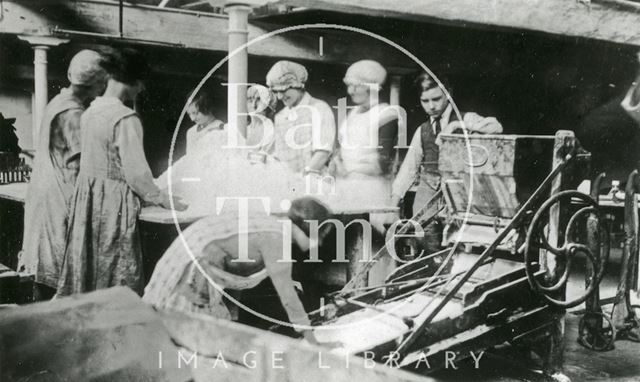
point(392, 284)
point(441, 281)
point(367, 266)
point(417, 270)
point(478, 221)
point(120, 18)
point(630, 5)
point(413, 336)
point(67, 32)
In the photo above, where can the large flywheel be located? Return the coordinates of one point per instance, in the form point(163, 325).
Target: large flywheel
point(567, 253)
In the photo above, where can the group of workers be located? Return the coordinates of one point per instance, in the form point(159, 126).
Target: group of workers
point(91, 177)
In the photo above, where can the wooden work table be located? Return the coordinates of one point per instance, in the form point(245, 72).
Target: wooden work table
point(159, 227)
point(14, 191)
point(17, 192)
point(11, 222)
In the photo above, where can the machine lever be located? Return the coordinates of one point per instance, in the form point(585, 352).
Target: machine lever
point(497, 317)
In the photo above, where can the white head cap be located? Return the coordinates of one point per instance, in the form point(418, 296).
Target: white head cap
point(286, 74)
point(86, 68)
point(365, 72)
point(266, 96)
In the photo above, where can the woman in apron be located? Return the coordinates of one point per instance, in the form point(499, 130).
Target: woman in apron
point(54, 173)
point(367, 135)
point(366, 152)
point(103, 244)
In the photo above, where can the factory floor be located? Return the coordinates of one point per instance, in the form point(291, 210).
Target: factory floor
point(621, 364)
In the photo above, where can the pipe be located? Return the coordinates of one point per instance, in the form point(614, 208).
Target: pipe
point(41, 85)
point(40, 45)
point(238, 63)
point(394, 90)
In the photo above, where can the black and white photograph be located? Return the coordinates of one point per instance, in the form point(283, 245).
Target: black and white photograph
point(319, 190)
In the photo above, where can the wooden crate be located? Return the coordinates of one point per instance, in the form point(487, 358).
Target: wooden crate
point(503, 169)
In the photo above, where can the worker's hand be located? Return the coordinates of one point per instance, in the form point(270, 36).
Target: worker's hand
point(453, 126)
point(178, 204)
point(311, 338)
point(336, 167)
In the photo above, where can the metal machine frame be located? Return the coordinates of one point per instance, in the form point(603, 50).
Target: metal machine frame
point(527, 302)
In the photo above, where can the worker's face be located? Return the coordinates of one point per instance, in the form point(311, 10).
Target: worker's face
point(198, 117)
point(255, 104)
point(132, 91)
point(359, 93)
point(290, 97)
point(89, 92)
point(434, 102)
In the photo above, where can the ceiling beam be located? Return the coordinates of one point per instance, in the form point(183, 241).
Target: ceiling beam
point(605, 20)
point(188, 29)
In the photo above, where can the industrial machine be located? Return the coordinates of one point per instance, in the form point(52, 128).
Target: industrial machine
point(513, 227)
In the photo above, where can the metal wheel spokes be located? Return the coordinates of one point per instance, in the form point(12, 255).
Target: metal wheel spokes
point(558, 251)
point(543, 242)
point(537, 239)
point(569, 253)
point(591, 286)
point(565, 274)
point(571, 226)
point(596, 331)
point(539, 242)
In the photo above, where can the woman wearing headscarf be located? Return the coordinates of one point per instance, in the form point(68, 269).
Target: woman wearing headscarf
point(54, 173)
point(305, 128)
point(367, 135)
point(366, 139)
point(261, 104)
point(103, 246)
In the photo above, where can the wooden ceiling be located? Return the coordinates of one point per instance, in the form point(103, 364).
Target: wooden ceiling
point(190, 5)
point(609, 20)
